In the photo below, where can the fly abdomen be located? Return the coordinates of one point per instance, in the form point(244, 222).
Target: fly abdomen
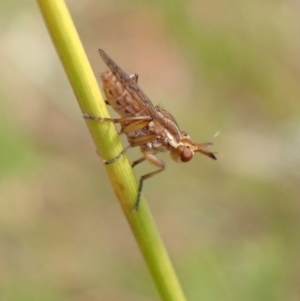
point(118, 97)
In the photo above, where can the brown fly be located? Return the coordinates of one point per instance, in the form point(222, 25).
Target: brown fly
point(150, 127)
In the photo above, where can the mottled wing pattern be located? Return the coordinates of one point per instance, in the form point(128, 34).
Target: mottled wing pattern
point(139, 96)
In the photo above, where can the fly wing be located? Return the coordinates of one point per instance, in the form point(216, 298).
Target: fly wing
point(139, 96)
point(162, 119)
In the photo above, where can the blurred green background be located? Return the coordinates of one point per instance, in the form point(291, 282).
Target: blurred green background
point(232, 227)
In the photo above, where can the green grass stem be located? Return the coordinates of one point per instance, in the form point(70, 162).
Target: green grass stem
point(85, 87)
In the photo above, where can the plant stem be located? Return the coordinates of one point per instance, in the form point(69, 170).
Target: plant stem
point(85, 87)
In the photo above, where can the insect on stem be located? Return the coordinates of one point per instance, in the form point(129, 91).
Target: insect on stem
point(152, 128)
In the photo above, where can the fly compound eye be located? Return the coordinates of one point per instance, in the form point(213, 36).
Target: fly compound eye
point(186, 155)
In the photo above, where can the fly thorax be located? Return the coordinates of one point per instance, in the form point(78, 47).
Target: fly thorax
point(171, 140)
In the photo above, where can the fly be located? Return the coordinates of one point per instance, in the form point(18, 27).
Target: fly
point(150, 127)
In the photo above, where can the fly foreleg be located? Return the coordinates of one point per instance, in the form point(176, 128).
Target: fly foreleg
point(154, 160)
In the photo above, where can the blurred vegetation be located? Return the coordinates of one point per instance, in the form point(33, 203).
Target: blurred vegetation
point(231, 226)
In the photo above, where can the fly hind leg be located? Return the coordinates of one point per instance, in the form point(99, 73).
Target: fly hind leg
point(155, 161)
point(136, 162)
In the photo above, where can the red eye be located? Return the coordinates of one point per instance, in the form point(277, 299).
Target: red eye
point(186, 154)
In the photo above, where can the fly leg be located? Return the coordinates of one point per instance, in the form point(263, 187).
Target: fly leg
point(154, 160)
point(118, 120)
point(106, 162)
point(137, 141)
point(134, 163)
point(135, 123)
